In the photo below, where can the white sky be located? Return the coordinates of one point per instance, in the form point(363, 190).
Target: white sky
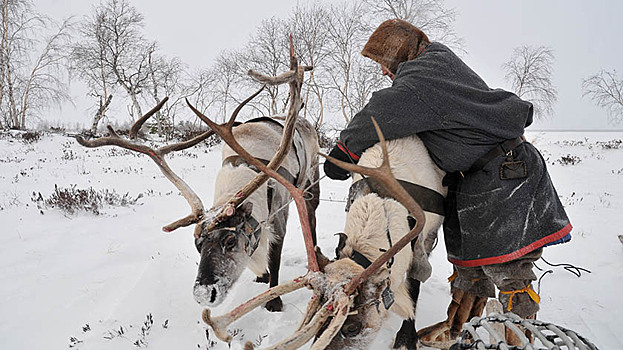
point(583, 34)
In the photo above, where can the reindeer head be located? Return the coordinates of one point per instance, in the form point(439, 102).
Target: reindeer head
point(225, 251)
point(365, 315)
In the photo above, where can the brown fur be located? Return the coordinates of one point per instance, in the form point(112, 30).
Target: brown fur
point(395, 41)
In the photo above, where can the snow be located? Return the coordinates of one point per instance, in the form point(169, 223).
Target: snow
point(88, 281)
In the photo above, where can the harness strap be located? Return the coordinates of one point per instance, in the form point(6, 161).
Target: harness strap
point(236, 161)
point(253, 231)
point(528, 289)
point(360, 259)
point(501, 149)
point(430, 200)
point(298, 146)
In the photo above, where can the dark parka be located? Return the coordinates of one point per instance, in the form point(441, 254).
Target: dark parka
point(459, 119)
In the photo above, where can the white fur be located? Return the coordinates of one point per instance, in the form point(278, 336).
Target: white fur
point(369, 216)
point(262, 141)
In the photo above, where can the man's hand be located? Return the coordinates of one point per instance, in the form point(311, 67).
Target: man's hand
point(333, 171)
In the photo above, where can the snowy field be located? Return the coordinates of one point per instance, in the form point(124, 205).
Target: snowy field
point(116, 281)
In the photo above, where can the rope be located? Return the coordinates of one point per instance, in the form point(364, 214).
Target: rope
point(528, 289)
point(306, 192)
point(577, 271)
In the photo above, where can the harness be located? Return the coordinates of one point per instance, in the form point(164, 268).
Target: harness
point(252, 228)
point(429, 200)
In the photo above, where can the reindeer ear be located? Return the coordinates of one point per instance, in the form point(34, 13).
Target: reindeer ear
point(246, 208)
point(322, 260)
point(341, 244)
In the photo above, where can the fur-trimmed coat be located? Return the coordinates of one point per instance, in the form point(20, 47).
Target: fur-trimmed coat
point(459, 119)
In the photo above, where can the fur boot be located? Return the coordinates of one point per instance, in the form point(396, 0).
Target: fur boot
point(462, 308)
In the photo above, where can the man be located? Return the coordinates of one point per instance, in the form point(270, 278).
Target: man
point(501, 207)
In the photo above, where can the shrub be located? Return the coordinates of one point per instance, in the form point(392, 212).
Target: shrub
point(31, 136)
point(73, 199)
point(569, 159)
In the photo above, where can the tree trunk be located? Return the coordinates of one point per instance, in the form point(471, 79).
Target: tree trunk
point(13, 106)
point(100, 114)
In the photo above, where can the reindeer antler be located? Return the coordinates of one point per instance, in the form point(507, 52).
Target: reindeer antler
point(157, 155)
point(295, 80)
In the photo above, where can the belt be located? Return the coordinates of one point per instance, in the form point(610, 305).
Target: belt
point(500, 149)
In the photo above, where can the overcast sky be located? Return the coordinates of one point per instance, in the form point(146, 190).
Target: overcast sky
point(585, 37)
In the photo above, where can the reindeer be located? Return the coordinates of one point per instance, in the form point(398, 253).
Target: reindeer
point(375, 220)
point(342, 289)
point(247, 223)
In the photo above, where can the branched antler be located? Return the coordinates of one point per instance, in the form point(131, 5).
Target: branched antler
point(157, 155)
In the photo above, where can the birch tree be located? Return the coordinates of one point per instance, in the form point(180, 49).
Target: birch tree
point(112, 52)
point(309, 27)
point(529, 72)
point(32, 61)
point(268, 53)
point(166, 79)
point(606, 90)
point(347, 33)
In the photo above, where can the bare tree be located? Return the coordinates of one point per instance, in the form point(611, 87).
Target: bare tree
point(112, 51)
point(166, 79)
point(266, 53)
point(606, 90)
point(227, 72)
point(431, 16)
point(347, 33)
point(309, 27)
point(530, 72)
point(32, 61)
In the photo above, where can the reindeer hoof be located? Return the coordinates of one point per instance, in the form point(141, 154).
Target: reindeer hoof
point(263, 278)
point(407, 337)
point(275, 305)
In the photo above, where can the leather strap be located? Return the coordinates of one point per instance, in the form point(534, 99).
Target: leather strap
point(298, 146)
point(501, 149)
point(360, 259)
point(430, 200)
point(238, 160)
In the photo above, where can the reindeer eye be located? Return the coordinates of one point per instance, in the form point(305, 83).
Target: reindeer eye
point(230, 241)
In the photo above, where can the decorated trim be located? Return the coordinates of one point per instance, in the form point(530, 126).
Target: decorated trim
point(516, 254)
point(343, 148)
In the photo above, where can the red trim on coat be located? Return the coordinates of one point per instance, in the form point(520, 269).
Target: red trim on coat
point(516, 254)
point(343, 148)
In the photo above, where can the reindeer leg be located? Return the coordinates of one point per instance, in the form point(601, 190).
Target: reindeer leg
point(274, 258)
point(407, 337)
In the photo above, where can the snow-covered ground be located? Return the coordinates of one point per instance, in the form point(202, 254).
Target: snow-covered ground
point(115, 281)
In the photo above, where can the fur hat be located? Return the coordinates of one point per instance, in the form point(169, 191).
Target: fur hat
point(393, 42)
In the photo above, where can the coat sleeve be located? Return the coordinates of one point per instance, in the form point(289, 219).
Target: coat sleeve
point(399, 112)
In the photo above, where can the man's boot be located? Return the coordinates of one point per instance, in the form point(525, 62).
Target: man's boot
point(524, 303)
point(462, 308)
